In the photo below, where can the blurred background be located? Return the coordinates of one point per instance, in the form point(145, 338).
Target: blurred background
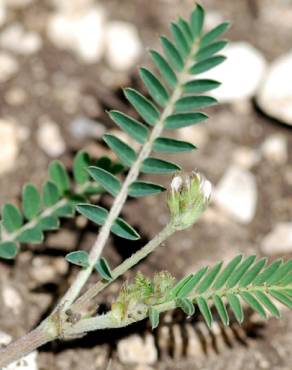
point(62, 64)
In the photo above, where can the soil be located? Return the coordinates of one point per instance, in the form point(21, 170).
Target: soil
point(59, 86)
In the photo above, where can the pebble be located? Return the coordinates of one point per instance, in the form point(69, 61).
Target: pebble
point(9, 147)
point(80, 32)
point(123, 45)
point(72, 6)
point(275, 94)
point(279, 240)
point(136, 350)
point(12, 299)
point(28, 362)
point(83, 128)
point(8, 66)
point(236, 193)
point(197, 135)
point(15, 39)
point(245, 157)
point(50, 139)
point(241, 73)
point(5, 339)
point(275, 149)
point(16, 96)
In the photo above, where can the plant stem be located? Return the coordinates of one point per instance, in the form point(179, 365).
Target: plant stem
point(123, 267)
point(132, 176)
point(25, 345)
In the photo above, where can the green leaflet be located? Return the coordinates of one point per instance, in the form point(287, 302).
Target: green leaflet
point(281, 297)
point(265, 300)
point(221, 309)
point(186, 29)
point(240, 271)
point(99, 215)
point(8, 250)
point(180, 39)
point(172, 54)
point(197, 21)
point(126, 154)
point(59, 176)
point(214, 33)
point(79, 258)
point(205, 310)
point(207, 64)
point(268, 272)
point(191, 283)
point(66, 210)
point(280, 273)
point(164, 68)
point(108, 181)
point(11, 218)
point(33, 235)
point(143, 106)
point(102, 267)
point(169, 145)
point(132, 127)
point(49, 223)
point(142, 188)
point(189, 103)
point(209, 278)
point(31, 201)
point(155, 165)
point(179, 285)
point(236, 307)
point(252, 273)
point(153, 317)
point(80, 165)
point(186, 305)
point(227, 271)
point(180, 120)
point(210, 50)
point(200, 86)
point(50, 194)
point(156, 90)
point(253, 303)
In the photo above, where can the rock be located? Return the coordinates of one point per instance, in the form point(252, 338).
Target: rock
point(197, 135)
point(16, 96)
point(9, 146)
point(50, 140)
point(236, 193)
point(5, 339)
point(275, 149)
point(279, 240)
point(80, 32)
point(242, 73)
point(14, 38)
point(72, 6)
point(12, 299)
point(136, 350)
point(8, 66)
point(245, 157)
point(83, 128)
point(28, 362)
point(275, 95)
point(123, 45)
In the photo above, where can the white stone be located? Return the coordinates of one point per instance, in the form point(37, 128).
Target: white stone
point(279, 240)
point(123, 45)
point(82, 33)
point(9, 146)
point(72, 6)
point(83, 127)
point(236, 193)
point(11, 299)
point(241, 73)
point(14, 38)
point(50, 139)
point(275, 149)
point(5, 339)
point(8, 66)
point(28, 362)
point(245, 157)
point(275, 95)
point(136, 350)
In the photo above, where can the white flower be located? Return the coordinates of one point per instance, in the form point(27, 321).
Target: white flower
point(176, 183)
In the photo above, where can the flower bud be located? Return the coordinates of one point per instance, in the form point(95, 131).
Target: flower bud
point(188, 197)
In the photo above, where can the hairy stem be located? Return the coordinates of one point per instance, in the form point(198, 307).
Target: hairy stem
point(92, 292)
point(26, 344)
point(132, 176)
